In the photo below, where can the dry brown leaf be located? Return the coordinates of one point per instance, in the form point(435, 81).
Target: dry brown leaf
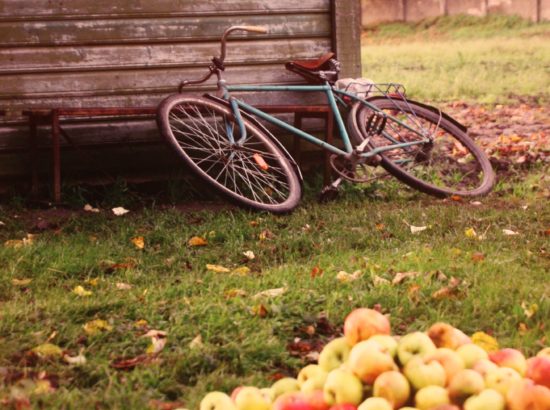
point(123, 286)
point(233, 293)
point(265, 235)
point(21, 282)
point(380, 281)
point(402, 276)
point(260, 310)
point(345, 277)
point(166, 405)
point(316, 271)
point(270, 293)
point(196, 342)
point(478, 257)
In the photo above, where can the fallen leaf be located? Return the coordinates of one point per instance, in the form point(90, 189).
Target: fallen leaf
point(316, 271)
point(158, 341)
point(416, 229)
point(265, 235)
point(2, 223)
point(130, 363)
point(402, 276)
point(21, 282)
point(522, 328)
point(470, 233)
point(119, 211)
point(123, 286)
point(259, 310)
point(380, 227)
point(196, 342)
point(249, 255)
point(509, 232)
point(270, 293)
point(380, 281)
point(233, 293)
point(478, 257)
point(80, 291)
point(485, 341)
point(197, 241)
point(19, 243)
point(139, 242)
point(217, 268)
point(47, 350)
point(77, 360)
point(96, 326)
point(92, 281)
point(166, 405)
point(476, 203)
point(42, 387)
point(241, 271)
point(529, 309)
point(90, 208)
point(140, 323)
point(456, 198)
point(345, 277)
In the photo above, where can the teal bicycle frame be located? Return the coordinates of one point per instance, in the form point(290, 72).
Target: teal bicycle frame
point(330, 92)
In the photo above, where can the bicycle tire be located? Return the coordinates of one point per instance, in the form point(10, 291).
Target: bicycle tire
point(255, 174)
point(453, 156)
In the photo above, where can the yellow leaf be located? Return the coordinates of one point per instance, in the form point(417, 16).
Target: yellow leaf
point(241, 271)
point(138, 242)
point(470, 233)
point(158, 341)
point(233, 293)
point(197, 241)
point(196, 342)
point(93, 282)
point(20, 282)
point(485, 341)
point(380, 281)
point(48, 350)
point(217, 268)
point(97, 326)
point(140, 323)
point(80, 291)
point(345, 277)
point(529, 310)
point(43, 386)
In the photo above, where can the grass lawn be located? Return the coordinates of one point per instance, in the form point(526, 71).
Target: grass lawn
point(138, 273)
point(487, 60)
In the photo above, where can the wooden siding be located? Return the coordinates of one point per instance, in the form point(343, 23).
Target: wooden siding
point(82, 53)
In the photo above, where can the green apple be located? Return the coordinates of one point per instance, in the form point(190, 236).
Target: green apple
point(334, 354)
point(312, 377)
point(502, 379)
point(414, 344)
point(421, 374)
point(251, 398)
point(464, 384)
point(375, 403)
point(367, 360)
point(342, 386)
point(363, 323)
point(450, 360)
point(431, 396)
point(284, 385)
point(217, 401)
point(471, 353)
point(388, 343)
point(485, 400)
point(392, 386)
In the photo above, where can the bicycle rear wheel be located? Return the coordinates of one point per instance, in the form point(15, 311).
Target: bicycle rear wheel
point(451, 164)
point(253, 172)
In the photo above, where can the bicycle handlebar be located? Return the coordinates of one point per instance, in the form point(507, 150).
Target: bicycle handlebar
point(218, 62)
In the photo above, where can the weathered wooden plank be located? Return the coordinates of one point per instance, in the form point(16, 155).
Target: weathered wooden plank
point(346, 34)
point(82, 58)
point(57, 9)
point(74, 32)
point(112, 83)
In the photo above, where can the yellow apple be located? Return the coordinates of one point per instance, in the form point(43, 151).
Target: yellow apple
point(431, 396)
point(450, 360)
point(414, 344)
point(334, 354)
point(471, 353)
point(375, 403)
point(464, 384)
point(485, 400)
point(367, 360)
point(421, 374)
point(284, 385)
point(392, 386)
point(502, 379)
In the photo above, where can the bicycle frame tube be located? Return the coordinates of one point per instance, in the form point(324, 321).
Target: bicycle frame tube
point(330, 93)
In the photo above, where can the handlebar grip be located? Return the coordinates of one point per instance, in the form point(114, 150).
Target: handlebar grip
point(254, 29)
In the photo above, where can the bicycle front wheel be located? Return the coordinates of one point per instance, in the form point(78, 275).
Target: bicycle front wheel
point(449, 164)
point(251, 171)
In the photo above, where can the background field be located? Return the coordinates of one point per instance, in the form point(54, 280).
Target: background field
point(491, 281)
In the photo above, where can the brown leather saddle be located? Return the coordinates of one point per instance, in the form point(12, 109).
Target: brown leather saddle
point(318, 71)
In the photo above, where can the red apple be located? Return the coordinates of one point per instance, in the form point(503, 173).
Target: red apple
point(464, 384)
point(316, 400)
point(292, 401)
point(344, 406)
point(528, 396)
point(445, 335)
point(511, 358)
point(363, 323)
point(538, 370)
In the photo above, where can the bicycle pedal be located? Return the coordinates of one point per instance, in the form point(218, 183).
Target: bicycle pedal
point(328, 193)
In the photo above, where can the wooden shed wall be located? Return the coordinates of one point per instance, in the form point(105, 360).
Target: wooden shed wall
point(83, 53)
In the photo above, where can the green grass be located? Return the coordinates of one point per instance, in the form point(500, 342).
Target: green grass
point(462, 58)
point(173, 291)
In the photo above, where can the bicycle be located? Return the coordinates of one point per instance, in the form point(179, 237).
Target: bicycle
point(222, 140)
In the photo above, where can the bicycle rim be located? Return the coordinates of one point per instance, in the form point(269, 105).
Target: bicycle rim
point(450, 164)
point(252, 172)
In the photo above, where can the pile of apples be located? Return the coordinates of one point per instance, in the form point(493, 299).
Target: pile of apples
point(369, 369)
